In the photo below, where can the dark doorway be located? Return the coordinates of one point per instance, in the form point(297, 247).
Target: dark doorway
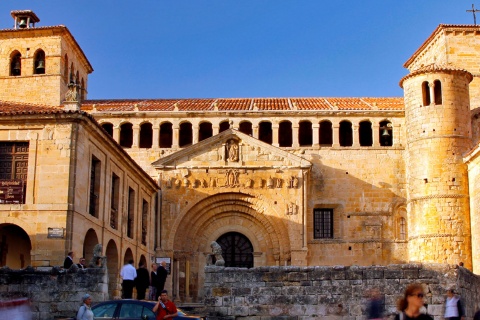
point(237, 250)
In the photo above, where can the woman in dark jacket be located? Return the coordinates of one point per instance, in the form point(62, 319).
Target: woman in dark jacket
point(411, 302)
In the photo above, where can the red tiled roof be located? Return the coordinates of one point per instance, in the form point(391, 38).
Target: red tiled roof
point(7, 107)
point(245, 104)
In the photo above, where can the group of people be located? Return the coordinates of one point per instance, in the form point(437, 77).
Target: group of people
point(68, 262)
point(142, 280)
point(412, 307)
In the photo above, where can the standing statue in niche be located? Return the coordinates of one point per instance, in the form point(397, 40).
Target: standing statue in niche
point(232, 148)
point(216, 257)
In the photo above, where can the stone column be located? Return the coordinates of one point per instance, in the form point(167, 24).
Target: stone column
point(116, 133)
point(375, 132)
point(336, 135)
point(275, 134)
point(316, 134)
point(356, 137)
point(156, 136)
point(295, 143)
point(216, 130)
point(136, 136)
point(175, 135)
point(396, 135)
point(431, 87)
point(255, 132)
point(195, 129)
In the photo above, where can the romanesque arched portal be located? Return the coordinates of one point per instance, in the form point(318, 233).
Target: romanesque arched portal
point(217, 215)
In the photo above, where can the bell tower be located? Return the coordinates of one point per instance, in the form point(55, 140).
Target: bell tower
point(38, 64)
point(437, 118)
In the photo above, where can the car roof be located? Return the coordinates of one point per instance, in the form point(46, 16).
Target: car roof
point(144, 303)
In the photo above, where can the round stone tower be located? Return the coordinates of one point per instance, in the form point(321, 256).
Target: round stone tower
point(438, 132)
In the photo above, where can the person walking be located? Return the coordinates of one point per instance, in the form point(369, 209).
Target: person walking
point(453, 306)
point(165, 308)
point(85, 311)
point(410, 304)
point(142, 281)
point(68, 262)
point(128, 275)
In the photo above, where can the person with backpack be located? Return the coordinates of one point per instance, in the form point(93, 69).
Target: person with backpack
point(409, 306)
point(85, 311)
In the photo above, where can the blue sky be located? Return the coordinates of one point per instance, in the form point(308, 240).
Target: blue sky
point(248, 48)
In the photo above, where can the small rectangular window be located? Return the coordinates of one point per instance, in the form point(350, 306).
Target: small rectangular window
point(115, 199)
point(94, 187)
point(131, 212)
point(322, 223)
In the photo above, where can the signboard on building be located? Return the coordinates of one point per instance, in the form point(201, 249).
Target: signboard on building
point(58, 233)
point(11, 191)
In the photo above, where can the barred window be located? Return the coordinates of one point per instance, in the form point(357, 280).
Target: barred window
point(322, 223)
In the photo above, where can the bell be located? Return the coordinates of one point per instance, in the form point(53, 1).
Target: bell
point(385, 133)
point(16, 66)
point(41, 65)
point(23, 23)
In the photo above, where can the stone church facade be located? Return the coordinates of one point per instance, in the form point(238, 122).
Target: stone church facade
point(290, 181)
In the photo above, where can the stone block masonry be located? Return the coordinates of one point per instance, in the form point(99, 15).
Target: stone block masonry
point(53, 293)
point(338, 292)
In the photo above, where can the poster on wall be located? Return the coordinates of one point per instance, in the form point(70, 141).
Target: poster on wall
point(159, 260)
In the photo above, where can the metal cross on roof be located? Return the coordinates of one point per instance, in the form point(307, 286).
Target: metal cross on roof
point(474, 15)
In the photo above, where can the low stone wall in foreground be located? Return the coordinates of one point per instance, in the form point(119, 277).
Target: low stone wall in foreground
point(53, 293)
point(329, 293)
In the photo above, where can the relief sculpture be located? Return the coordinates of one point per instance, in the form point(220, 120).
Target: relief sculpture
point(232, 151)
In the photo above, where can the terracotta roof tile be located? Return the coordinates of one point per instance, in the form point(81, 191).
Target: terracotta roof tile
point(233, 104)
point(7, 107)
point(310, 104)
point(385, 103)
point(271, 104)
point(244, 104)
point(348, 104)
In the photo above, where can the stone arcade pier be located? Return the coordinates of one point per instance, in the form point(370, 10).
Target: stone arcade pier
point(329, 292)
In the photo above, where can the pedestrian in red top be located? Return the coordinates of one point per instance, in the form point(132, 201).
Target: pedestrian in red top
point(165, 308)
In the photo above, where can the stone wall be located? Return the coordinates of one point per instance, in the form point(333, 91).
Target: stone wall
point(329, 292)
point(53, 293)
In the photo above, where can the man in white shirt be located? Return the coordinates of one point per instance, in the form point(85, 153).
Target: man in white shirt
point(128, 275)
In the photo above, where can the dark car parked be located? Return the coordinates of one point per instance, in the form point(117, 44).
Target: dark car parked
point(131, 310)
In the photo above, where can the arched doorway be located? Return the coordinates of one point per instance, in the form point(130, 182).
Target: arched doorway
point(89, 243)
point(15, 247)
point(112, 265)
point(237, 250)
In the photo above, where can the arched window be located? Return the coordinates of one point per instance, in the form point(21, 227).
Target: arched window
point(237, 250)
point(437, 89)
point(385, 134)
point(305, 134)
point(72, 74)
point(285, 134)
point(205, 131)
point(426, 93)
point(326, 134)
point(185, 135)
point(39, 65)
point(225, 125)
point(126, 135)
point(108, 127)
point(16, 64)
point(365, 134)
point(246, 127)
point(146, 135)
point(166, 135)
point(77, 78)
point(265, 132)
point(82, 90)
point(65, 68)
point(345, 134)
point(402, 226)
